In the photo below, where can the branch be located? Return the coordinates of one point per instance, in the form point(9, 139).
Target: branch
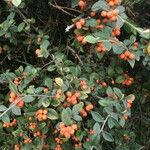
point(101, 130)
point(73, 51)
point(61, 8)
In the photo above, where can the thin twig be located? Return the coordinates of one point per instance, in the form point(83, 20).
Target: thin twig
point(105, 121)
point(74, 52)
point(60, 8)
point(11, 106)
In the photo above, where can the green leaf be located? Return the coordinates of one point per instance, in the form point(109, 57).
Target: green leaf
point(118, 92)
point(51, 68)
point(118, 49)
point(77, 108)
point(44, 47)
point(52, 114)
point(74, 3)
point(122, 122)
point(66, 117)
point(120, 79)
point(5, 118)
point(90, 22)
point(91, 39)
point(2, 108)
point(119, 22)
point(77, 118)
point(59, 81)
point(21, 26)
point(48, 82)
point(107, 136)
point(12, 86)
point(104, 102)
point(28, 98)
point(131, 97)
point(96, 128)
point(97, 117)
point(46, 102)
point(132, 63)
point(110, 123)
point(16, 110)
point(109, 90)
point(83, 95)
point(100, 5)
point(16, 2)
point(107, 45)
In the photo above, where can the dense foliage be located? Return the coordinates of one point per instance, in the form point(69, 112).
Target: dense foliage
point(74, 75)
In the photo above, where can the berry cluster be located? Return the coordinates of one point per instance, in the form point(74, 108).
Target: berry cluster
point(113, 3)
point(101, 48)
point(81, 39)
point(27, 140)
point(41, 114)
point(67, 131)
point(58, 94)
point(127, 55)
point(129, 103)
point(36, 134)
point(83, 85)
point(128, 81)
point(116, 31)
point(88, 108)
point(38, 52)
point(82, 4)
point(17, 147)
point(16, 81)
point(14, 98)
point(111, 15)
point(58, 147)
point(10, 124)
point(79, 24)
point(32, 125)
point(45, 90)
point(72, 98)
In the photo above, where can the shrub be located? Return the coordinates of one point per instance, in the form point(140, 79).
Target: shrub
point(78, 94)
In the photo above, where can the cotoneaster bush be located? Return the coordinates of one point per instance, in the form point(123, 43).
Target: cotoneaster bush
point(77, 95)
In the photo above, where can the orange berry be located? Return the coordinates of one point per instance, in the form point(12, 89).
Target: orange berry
point(45, 90)
point(98, 21)
point(82, 21)
point(12, 95)
point(74, 126)
point(111, 3)
point(129, 105)
point(78, 25)
point(20, 104)
point(109, 14)
point(129, 101)
point(122, 56)
point(103, 13)
point(84, 42)
point(77, 94)
point(127, 53)
point(93, 13)
point(44, 117)
point(113, 18)
point(89, 107)
point(45, 112)
point(80, 38)
point(82, 3)
point(104, 84)
point(131, 56)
